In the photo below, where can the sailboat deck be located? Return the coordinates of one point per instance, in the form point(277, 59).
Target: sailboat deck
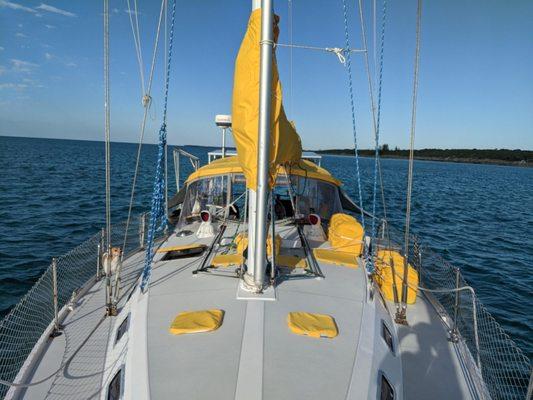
point(253, 354)
point(433, 367)
point(81, 378)
point(214, 365)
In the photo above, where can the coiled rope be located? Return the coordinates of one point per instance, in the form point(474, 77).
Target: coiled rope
point(158, 214)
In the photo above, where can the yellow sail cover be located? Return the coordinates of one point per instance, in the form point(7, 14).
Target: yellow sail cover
point(285, 145)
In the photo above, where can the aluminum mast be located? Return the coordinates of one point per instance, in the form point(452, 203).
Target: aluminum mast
point(258, 204)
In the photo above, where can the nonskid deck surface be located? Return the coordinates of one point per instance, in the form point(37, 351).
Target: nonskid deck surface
point(253, 354)
point(433, 367)
point(216, 364)
point(82, 377)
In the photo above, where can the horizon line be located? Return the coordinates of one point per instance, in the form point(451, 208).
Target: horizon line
point(321, 149)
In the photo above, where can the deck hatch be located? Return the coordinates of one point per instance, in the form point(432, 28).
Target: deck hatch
point(176, 252)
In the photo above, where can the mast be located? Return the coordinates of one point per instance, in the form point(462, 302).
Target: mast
point(110, 309)
point(258, 204)
point(107, 129)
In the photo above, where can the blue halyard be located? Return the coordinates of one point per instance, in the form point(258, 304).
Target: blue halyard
point(372, 256)
point(354, 129)
point(158, 212)
point(352, 105)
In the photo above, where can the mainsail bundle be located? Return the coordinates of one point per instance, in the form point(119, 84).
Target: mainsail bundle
point(285, 144)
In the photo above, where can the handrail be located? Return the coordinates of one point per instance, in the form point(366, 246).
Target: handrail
point(455, 332)
point(38, 314)
point(195, 162)
point(495, 358)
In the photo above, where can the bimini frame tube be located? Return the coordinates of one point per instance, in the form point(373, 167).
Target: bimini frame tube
point(258, 211)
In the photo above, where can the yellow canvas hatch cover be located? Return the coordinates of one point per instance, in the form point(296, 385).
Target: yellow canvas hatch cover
point(285, 144)
point(196, 322)
point(230, 165)
point(290, 261)
point(241, 240)
point(314, 325)
point(225, 260)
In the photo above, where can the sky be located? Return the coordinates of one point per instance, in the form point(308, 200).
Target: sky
point(475, 88)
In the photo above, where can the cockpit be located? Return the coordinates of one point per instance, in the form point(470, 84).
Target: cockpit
point(299, 191)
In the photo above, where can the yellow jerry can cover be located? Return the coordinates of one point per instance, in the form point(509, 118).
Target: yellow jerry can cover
point(314, 325)
point(196, 322)
point(384, 277)
point(346, 234)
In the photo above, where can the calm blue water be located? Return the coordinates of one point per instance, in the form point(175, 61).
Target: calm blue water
point(479, 217)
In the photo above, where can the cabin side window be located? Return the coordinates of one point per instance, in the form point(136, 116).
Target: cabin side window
point(123, 327)
point(386, 391)
point(387, 336)
point(114, 390)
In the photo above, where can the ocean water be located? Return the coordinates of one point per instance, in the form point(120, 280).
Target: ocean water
point(478, 217)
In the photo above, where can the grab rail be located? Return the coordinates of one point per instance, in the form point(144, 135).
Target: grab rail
point(195, 162)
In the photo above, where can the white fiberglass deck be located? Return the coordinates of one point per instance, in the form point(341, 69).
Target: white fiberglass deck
point(81, 378)
point(208, 365)
point(253, 355)
point(433, 367)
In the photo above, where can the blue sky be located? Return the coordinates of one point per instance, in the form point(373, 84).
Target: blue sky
point(476, 72)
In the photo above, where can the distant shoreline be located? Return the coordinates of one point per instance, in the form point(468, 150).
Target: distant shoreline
point(517, 158)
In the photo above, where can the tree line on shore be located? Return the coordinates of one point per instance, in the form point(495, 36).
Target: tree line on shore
point(504, 155)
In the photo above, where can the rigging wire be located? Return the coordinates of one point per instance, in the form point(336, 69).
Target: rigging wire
point(289, 12)
point(411, 152)
point(158, 216)
point(137, 41)
point(376, 114)
point(147, 100)
point(374, 37)
point(107, 129)
point(352, 105)
point(372, 103)
point(338, 51)
point(376, 125)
